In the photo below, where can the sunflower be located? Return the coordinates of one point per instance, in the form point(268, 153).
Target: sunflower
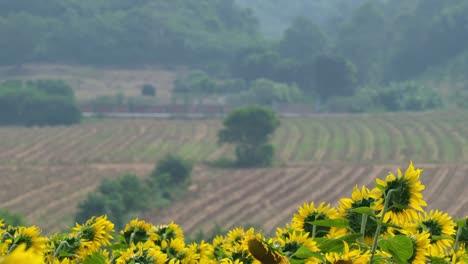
point(137, 231)
point(174, 248)
point(23, 255)
point(290, 243)
point(141, 253)
point(265, 253)
point(309, 213)
point(354, 256)
point(359, 198)
point(97, 231)
point(421, 243)
point(406, 197)
point(238, 253)
point(167, 232)
point(236, 235)
point(441, 229)
point(29, 236)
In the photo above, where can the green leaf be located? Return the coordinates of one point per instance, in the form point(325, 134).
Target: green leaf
point(118, 246)
point(297, 261)
point(363, 210)
point(95, 258)
point(343, 223)
point(332, 245)
point(384, 245)
point(336, 245)
point(305, 253)
point(461, 223)
point(401, 246)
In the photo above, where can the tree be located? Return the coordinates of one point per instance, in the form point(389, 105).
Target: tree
point(171, 171)
point(303, 40)
point(250, 128)
point(334, 76)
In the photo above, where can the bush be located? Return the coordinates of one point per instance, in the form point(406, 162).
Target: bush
point(197, 82)
point(45, 102)
point(267, 92)
point(148, 90)
point(405, 96)
point(116, 198)
point(172, 171)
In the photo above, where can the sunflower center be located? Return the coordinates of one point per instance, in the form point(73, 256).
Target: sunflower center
point(320, 231)
point(400, 198)
point(139, 235)
point(242, 256)
point(291, 248)
point(355, 219)
point(433, 227)
point(25, 239)
point(88, 233)
point(166, 233)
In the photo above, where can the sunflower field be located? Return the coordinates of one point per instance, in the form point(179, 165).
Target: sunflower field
point(386, 224)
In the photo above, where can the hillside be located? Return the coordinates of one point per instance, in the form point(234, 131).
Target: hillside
point(48, 170)
point(89, 82)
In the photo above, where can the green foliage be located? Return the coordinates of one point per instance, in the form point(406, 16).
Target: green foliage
point(197, 82)
point(120, 199)
point(44, 102)
point(302, 41)
point(266, 92)
point(116, 198)
point(406, 96)
point(13, 219)
point(148, 90)
point(111, 32)
point(250, 128)
point(172, 171)
point(334, 76)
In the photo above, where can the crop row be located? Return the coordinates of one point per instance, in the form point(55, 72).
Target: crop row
point(429, 138)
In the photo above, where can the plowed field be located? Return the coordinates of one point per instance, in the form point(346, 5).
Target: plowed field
point(46, 171)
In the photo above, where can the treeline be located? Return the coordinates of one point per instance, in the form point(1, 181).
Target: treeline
point(41, 102)
point(123, 32)
point(330, 54)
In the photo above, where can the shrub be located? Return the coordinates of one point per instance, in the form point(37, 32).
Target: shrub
point(171, 171)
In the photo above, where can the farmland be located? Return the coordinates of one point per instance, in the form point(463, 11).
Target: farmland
point(47, 171)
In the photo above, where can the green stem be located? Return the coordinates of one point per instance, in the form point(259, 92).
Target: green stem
point(379, 225)
point(363, 226)
point(457, 238)
point(314, 231)
point(132, 236)
point(57, 251)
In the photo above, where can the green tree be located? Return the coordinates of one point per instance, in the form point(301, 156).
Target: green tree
point(334, 76)
point(250, 128)
point(302, 41)
point(171, 171)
